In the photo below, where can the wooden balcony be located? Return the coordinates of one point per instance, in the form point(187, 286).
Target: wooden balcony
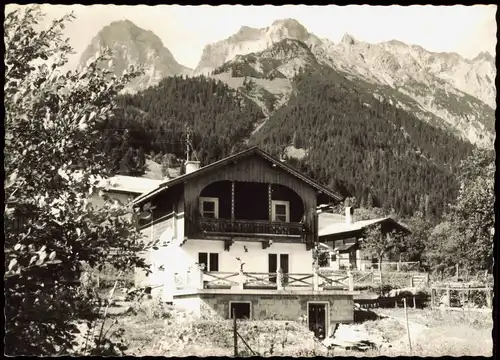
point(251, 228)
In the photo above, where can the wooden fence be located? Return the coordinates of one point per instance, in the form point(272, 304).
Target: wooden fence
point(461, 295)
point(404, 266)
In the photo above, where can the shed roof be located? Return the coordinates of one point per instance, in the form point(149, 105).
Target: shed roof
point(330, 225)
point(130, 184)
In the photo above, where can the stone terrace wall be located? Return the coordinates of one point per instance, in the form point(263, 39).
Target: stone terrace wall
point(273, 307)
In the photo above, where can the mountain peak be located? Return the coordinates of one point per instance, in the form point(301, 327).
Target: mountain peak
point(123, 23)
point(246, 33)
point(288, 22)
point(133, 45)
point(288, 28)
point(484, 55)
point(348, 39)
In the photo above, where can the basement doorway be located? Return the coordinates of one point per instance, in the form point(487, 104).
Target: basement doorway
point(242, 309)
point(317, 315)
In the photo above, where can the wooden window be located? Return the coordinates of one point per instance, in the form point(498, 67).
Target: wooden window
point(281, 211)
point(242, 309)
point(276, 261)
point(211, 261)
point(209, 207)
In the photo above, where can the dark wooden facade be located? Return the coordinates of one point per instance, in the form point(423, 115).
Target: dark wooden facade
point(240, 174)
point(245, 185)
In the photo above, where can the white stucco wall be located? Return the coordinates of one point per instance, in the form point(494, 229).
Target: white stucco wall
point(255, 259)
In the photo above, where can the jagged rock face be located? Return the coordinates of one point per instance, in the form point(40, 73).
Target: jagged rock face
point(454, 89)
point(283, 60)
point(249, 40)
point(441, 88)
point(132, 45)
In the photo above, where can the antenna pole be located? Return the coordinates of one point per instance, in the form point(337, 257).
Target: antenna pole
point(187, 144)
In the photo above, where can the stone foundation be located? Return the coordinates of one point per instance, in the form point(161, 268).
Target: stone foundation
point(291, 306)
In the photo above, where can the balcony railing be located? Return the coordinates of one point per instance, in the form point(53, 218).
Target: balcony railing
point(251, 227)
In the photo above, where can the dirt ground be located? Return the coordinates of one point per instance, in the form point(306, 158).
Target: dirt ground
point(440, 332)
point(164, 331)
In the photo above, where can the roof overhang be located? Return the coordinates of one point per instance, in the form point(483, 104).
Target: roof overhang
point(338, 231)
point(241, 155)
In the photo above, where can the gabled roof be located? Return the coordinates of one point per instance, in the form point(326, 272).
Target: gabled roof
point(243, 154)
point(339, 227)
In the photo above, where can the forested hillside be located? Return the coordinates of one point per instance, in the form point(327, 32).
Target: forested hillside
point(361, 147)
point(155, 120)
point(357, 145)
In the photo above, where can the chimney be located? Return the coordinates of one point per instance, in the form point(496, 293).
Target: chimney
point(191, 165)
point(349, 215)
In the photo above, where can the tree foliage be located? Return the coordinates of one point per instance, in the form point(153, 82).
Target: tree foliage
point(413, 245)
point(51, 168)
point(378, 244)
point(473, 214)
point(156, 120)
point(464, 236)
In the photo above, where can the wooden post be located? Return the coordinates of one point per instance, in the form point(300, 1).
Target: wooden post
point(242, 280)
point(396, 303)
point(232, 201)
point(432, 298)
point(315, 278)
point(269, 194)
point(350, 281)
point(488, 297)
point(457, 273)
point(414, 303)
point(279, 278)
point(235, 334)
point(411, 281)
point(201, 268)
point(407, 325)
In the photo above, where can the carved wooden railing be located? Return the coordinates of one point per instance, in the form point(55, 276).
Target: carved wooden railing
point(219, 279)
point(298, 281)
point(201, 279)
point(251, 227)
point(256, 279)
point(334, 280)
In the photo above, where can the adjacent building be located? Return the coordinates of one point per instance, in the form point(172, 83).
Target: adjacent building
point(342, 237)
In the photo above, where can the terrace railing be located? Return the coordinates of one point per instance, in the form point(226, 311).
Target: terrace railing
point(251, 227)
point(316, 281)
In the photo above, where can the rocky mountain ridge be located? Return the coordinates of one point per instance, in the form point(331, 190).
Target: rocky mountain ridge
point(132, 45)
point(249, 40)
point(443, 89)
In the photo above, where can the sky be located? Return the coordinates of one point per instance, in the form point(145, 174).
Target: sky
point(185, 30)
